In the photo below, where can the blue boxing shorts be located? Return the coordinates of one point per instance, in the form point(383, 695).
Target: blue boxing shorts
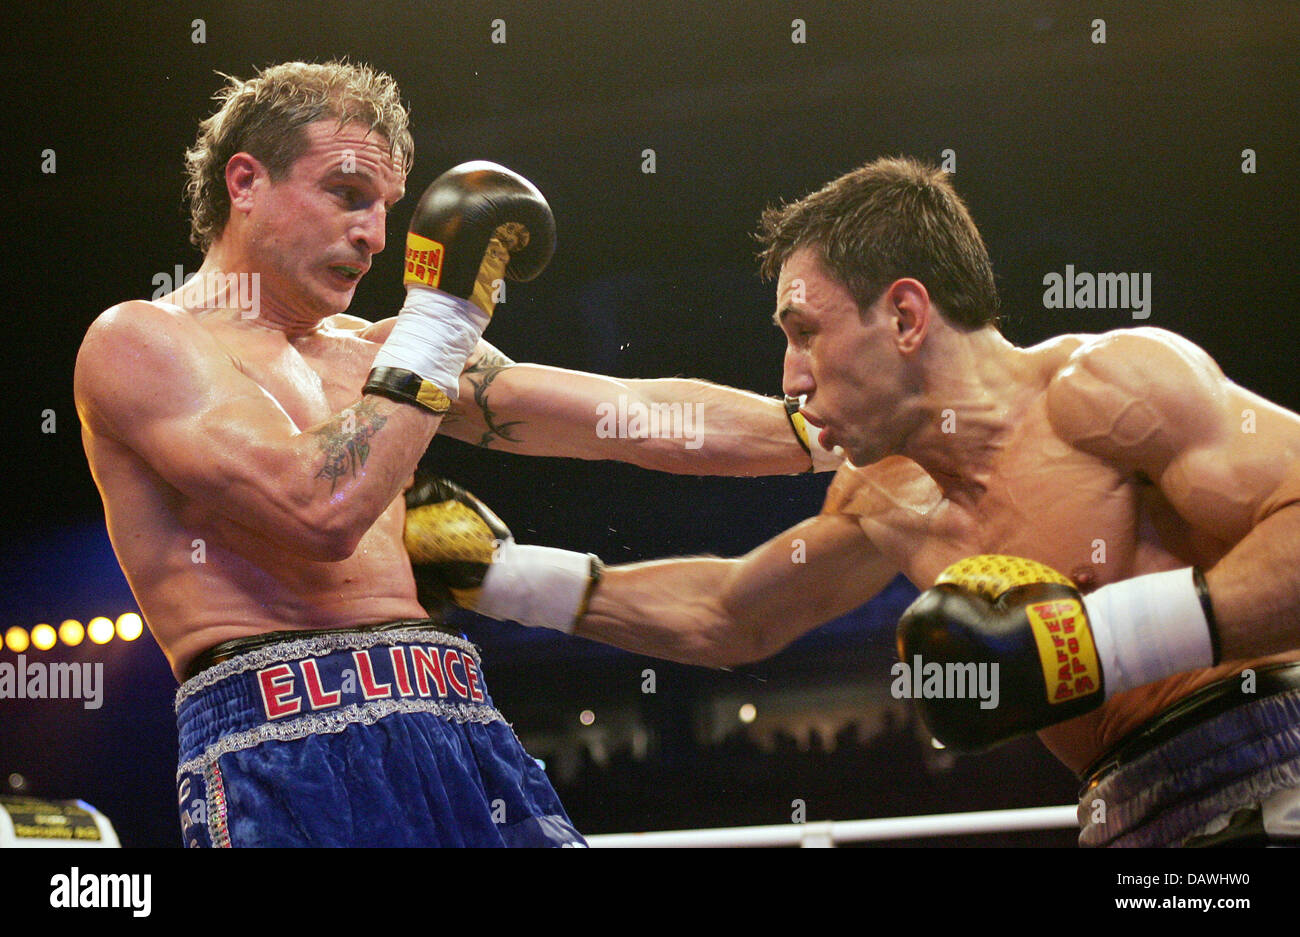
point(1220, 768)
point(357, 738)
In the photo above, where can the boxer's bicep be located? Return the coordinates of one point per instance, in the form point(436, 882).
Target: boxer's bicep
point(721, 612)
point(1244, 486)
point(1225, 459)
point(1155, 405)
point(819, 569)
point(1237, 468)
point(164, 389)
point(161, 387)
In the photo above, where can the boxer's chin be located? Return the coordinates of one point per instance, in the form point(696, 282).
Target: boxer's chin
point(859, 455)
point(337, 295)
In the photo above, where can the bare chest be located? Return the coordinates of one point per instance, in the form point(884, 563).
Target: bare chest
point(311, 379)
point(1069, 511)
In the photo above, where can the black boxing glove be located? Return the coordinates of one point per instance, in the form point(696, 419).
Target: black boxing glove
point(474, 225)
point(462, 551)
point(1050, 652)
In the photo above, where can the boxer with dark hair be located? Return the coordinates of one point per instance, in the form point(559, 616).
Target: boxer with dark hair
point(1150, 632)
point(252, 458)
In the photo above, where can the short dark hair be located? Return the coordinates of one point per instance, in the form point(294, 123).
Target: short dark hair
point(894, 217)
point(266, 117)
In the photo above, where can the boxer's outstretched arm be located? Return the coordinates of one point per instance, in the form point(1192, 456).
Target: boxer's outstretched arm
point(719, 612)
point(1227, 460)
point(158, 383)
point(688, 427)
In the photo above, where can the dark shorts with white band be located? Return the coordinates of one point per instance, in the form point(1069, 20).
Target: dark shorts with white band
point(1220, 768)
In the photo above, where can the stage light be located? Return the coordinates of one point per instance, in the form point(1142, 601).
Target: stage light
point(587, 717)
point(129, 626)
point(748, 712)
point(16, 639)
point(100, 630)
point(44, 637)
point(71, 632)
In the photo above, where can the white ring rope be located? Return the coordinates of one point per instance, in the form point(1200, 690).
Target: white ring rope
point(828, 833)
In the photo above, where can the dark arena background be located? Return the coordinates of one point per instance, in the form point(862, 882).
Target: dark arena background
point(1157, 138)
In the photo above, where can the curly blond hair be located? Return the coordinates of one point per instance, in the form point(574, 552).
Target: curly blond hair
point(266, 117)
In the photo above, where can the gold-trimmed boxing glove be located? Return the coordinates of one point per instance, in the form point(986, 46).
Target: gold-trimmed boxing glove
point(461, 551)
point(475, 224)
point(1052, 653)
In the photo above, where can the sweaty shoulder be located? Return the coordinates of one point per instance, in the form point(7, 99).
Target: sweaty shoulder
point(1136, 395)
point(128, 334)
point(135, 321)
point(136, 348)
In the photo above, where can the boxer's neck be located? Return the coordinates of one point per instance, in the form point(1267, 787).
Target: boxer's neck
point(229, 278)
point(973, 388)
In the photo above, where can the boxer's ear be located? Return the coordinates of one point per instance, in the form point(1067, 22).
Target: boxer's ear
point(242, 171)
point(908, 301)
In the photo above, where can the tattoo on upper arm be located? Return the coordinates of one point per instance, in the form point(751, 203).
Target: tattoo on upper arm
point(345, 440)
point(485, 369)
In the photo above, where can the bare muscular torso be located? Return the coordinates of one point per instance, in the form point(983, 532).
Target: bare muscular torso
point(201, 577)
point(1047, 500)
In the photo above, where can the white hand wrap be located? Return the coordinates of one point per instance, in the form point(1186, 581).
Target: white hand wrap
point(536, 586)
point(434, 334)
point(1148, 628)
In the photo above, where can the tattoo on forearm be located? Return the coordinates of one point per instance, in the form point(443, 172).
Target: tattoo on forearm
point(480, 375)
point(345, 440)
